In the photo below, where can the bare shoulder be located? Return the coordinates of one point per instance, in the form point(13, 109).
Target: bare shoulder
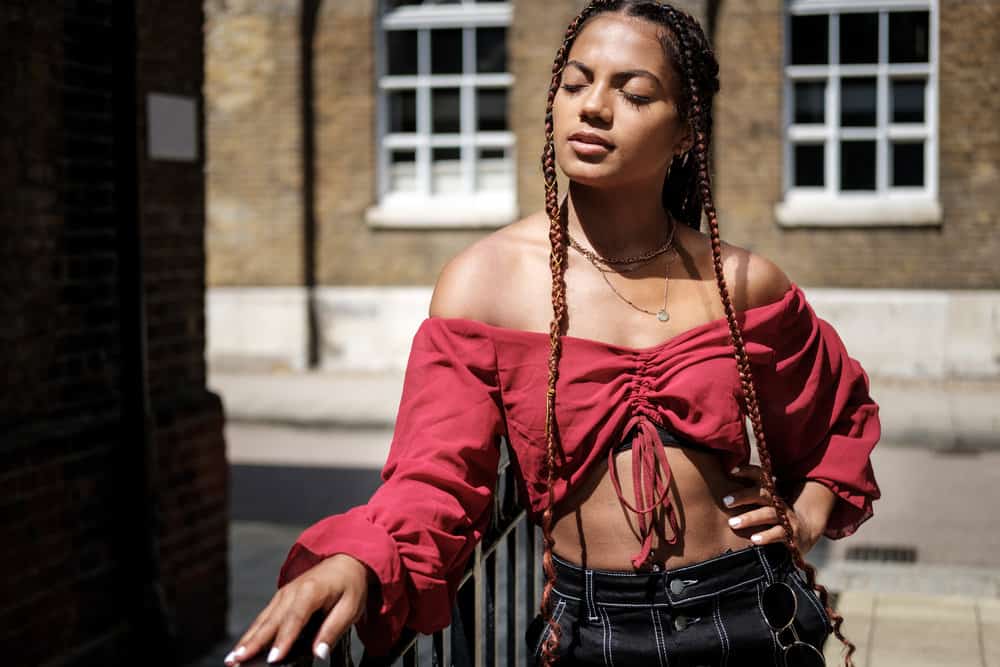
point(467, 284)
point(753, 279)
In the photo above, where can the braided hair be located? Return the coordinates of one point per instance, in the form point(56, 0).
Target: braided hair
point(686, 193)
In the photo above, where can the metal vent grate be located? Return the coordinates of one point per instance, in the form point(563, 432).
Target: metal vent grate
point(882, 554)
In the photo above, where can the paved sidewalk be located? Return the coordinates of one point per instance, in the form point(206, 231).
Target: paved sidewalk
point(914, 630)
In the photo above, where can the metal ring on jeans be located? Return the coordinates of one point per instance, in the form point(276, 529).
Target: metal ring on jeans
point(780, 605)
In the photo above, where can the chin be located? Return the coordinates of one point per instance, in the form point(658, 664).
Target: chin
point(591, 174)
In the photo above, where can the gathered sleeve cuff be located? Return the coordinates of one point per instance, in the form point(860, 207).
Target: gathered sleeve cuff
point(820, 422)
point(419, 528)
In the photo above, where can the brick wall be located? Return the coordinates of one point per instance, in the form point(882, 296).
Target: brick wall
point(253, 166)
point(255, 225)
point(961, 253)
point(64, 501)
point(192, 471)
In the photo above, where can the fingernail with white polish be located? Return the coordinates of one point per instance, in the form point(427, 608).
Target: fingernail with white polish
point(728, 500)
point(735, 521)
point(323, 651)
point(273, 655)
point(756, 538)
point(230, 657)
point(240, 651)
point(734, 470)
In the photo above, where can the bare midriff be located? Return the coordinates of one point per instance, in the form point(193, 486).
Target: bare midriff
point(593, 528)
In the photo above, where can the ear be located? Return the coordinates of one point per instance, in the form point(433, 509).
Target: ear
point(686, 142)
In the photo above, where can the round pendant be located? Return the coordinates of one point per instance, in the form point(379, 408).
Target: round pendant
point(663, 315)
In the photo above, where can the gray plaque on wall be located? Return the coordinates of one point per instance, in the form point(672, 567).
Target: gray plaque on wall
point(172, 122)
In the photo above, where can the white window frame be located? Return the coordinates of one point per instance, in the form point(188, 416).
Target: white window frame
point(423, 209)
point(886, 205)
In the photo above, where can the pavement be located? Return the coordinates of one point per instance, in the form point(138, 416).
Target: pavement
point(316, 442)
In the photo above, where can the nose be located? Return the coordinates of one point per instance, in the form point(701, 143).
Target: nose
point(595, 104)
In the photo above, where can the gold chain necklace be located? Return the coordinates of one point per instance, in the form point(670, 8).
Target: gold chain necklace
point(662, 315)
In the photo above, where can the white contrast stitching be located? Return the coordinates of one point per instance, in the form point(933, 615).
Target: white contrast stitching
point(815, 602)
point(560, 606)
point(666, 656)
point(589, 591)
point(722, 628)
point(766, 565)
point(608, 658)
point(660, 648)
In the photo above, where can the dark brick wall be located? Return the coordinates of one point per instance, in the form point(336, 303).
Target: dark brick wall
point(63, 491)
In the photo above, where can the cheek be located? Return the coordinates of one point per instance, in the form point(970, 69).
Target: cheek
point(647, 140)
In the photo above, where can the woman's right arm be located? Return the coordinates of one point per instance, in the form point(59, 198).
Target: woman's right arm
point(397, 560)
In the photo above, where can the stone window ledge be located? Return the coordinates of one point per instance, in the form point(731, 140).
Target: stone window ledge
point(820, 211)
point(477, 211)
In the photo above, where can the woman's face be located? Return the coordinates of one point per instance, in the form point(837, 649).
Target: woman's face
point(617, 84)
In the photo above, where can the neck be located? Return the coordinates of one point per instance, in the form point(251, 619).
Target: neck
point(618, 222)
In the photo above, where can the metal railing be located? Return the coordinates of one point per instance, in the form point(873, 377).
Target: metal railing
point(498, 595)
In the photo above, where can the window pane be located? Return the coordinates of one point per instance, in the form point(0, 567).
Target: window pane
point(491, 50)
point(402, 111)
point(808, 165)
point(446, 51)
point(403, 170)
point(494, 170)
point(445, 110)
point(907, 100)
point(402, 48)
point(446, 170)
point(857, 102)
point(809, 39)
point(908, 163)
point(909, 37)
point(858, 38)
point(857, 165)
point(492, 106)
point(810, 101)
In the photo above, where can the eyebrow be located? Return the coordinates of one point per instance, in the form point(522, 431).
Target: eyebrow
point(626, 74)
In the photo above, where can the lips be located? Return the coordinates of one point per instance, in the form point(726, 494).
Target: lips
point(590, 138)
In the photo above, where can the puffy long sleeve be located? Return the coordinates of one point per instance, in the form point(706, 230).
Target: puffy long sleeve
point(420, 526)
point(819, 420)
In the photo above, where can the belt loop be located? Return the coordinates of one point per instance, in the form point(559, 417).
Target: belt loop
point(588, 577)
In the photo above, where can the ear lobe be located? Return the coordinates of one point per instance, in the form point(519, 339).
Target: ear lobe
point(687, 141)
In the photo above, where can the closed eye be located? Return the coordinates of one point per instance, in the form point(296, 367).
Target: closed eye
point(634, 100)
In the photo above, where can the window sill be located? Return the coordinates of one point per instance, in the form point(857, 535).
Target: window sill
point(857, 211)
point(483, 211)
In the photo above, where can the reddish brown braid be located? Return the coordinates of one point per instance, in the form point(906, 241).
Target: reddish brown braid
point(694, 60)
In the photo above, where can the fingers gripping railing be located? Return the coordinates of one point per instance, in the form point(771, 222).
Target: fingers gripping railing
point(497, 597)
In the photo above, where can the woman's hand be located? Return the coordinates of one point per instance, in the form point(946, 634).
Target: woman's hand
point(338, 585)
point(763, 522)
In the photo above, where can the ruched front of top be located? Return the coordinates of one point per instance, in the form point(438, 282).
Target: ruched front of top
point(467, 383)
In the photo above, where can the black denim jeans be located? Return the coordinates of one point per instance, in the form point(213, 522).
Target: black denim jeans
point(705, 613)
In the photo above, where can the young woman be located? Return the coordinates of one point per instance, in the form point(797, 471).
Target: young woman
point(658, 342)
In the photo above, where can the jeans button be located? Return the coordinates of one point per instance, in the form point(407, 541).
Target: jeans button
point(676, 586)
point(680, 622)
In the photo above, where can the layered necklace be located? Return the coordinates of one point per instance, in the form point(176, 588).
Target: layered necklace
point(608, 265)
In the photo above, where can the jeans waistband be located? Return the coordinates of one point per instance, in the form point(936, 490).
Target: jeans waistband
point(677, 586)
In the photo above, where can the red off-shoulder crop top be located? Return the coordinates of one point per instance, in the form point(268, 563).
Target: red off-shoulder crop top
point(468, 382)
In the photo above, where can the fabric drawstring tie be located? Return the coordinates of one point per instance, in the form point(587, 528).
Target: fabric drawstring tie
point(651, 487)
